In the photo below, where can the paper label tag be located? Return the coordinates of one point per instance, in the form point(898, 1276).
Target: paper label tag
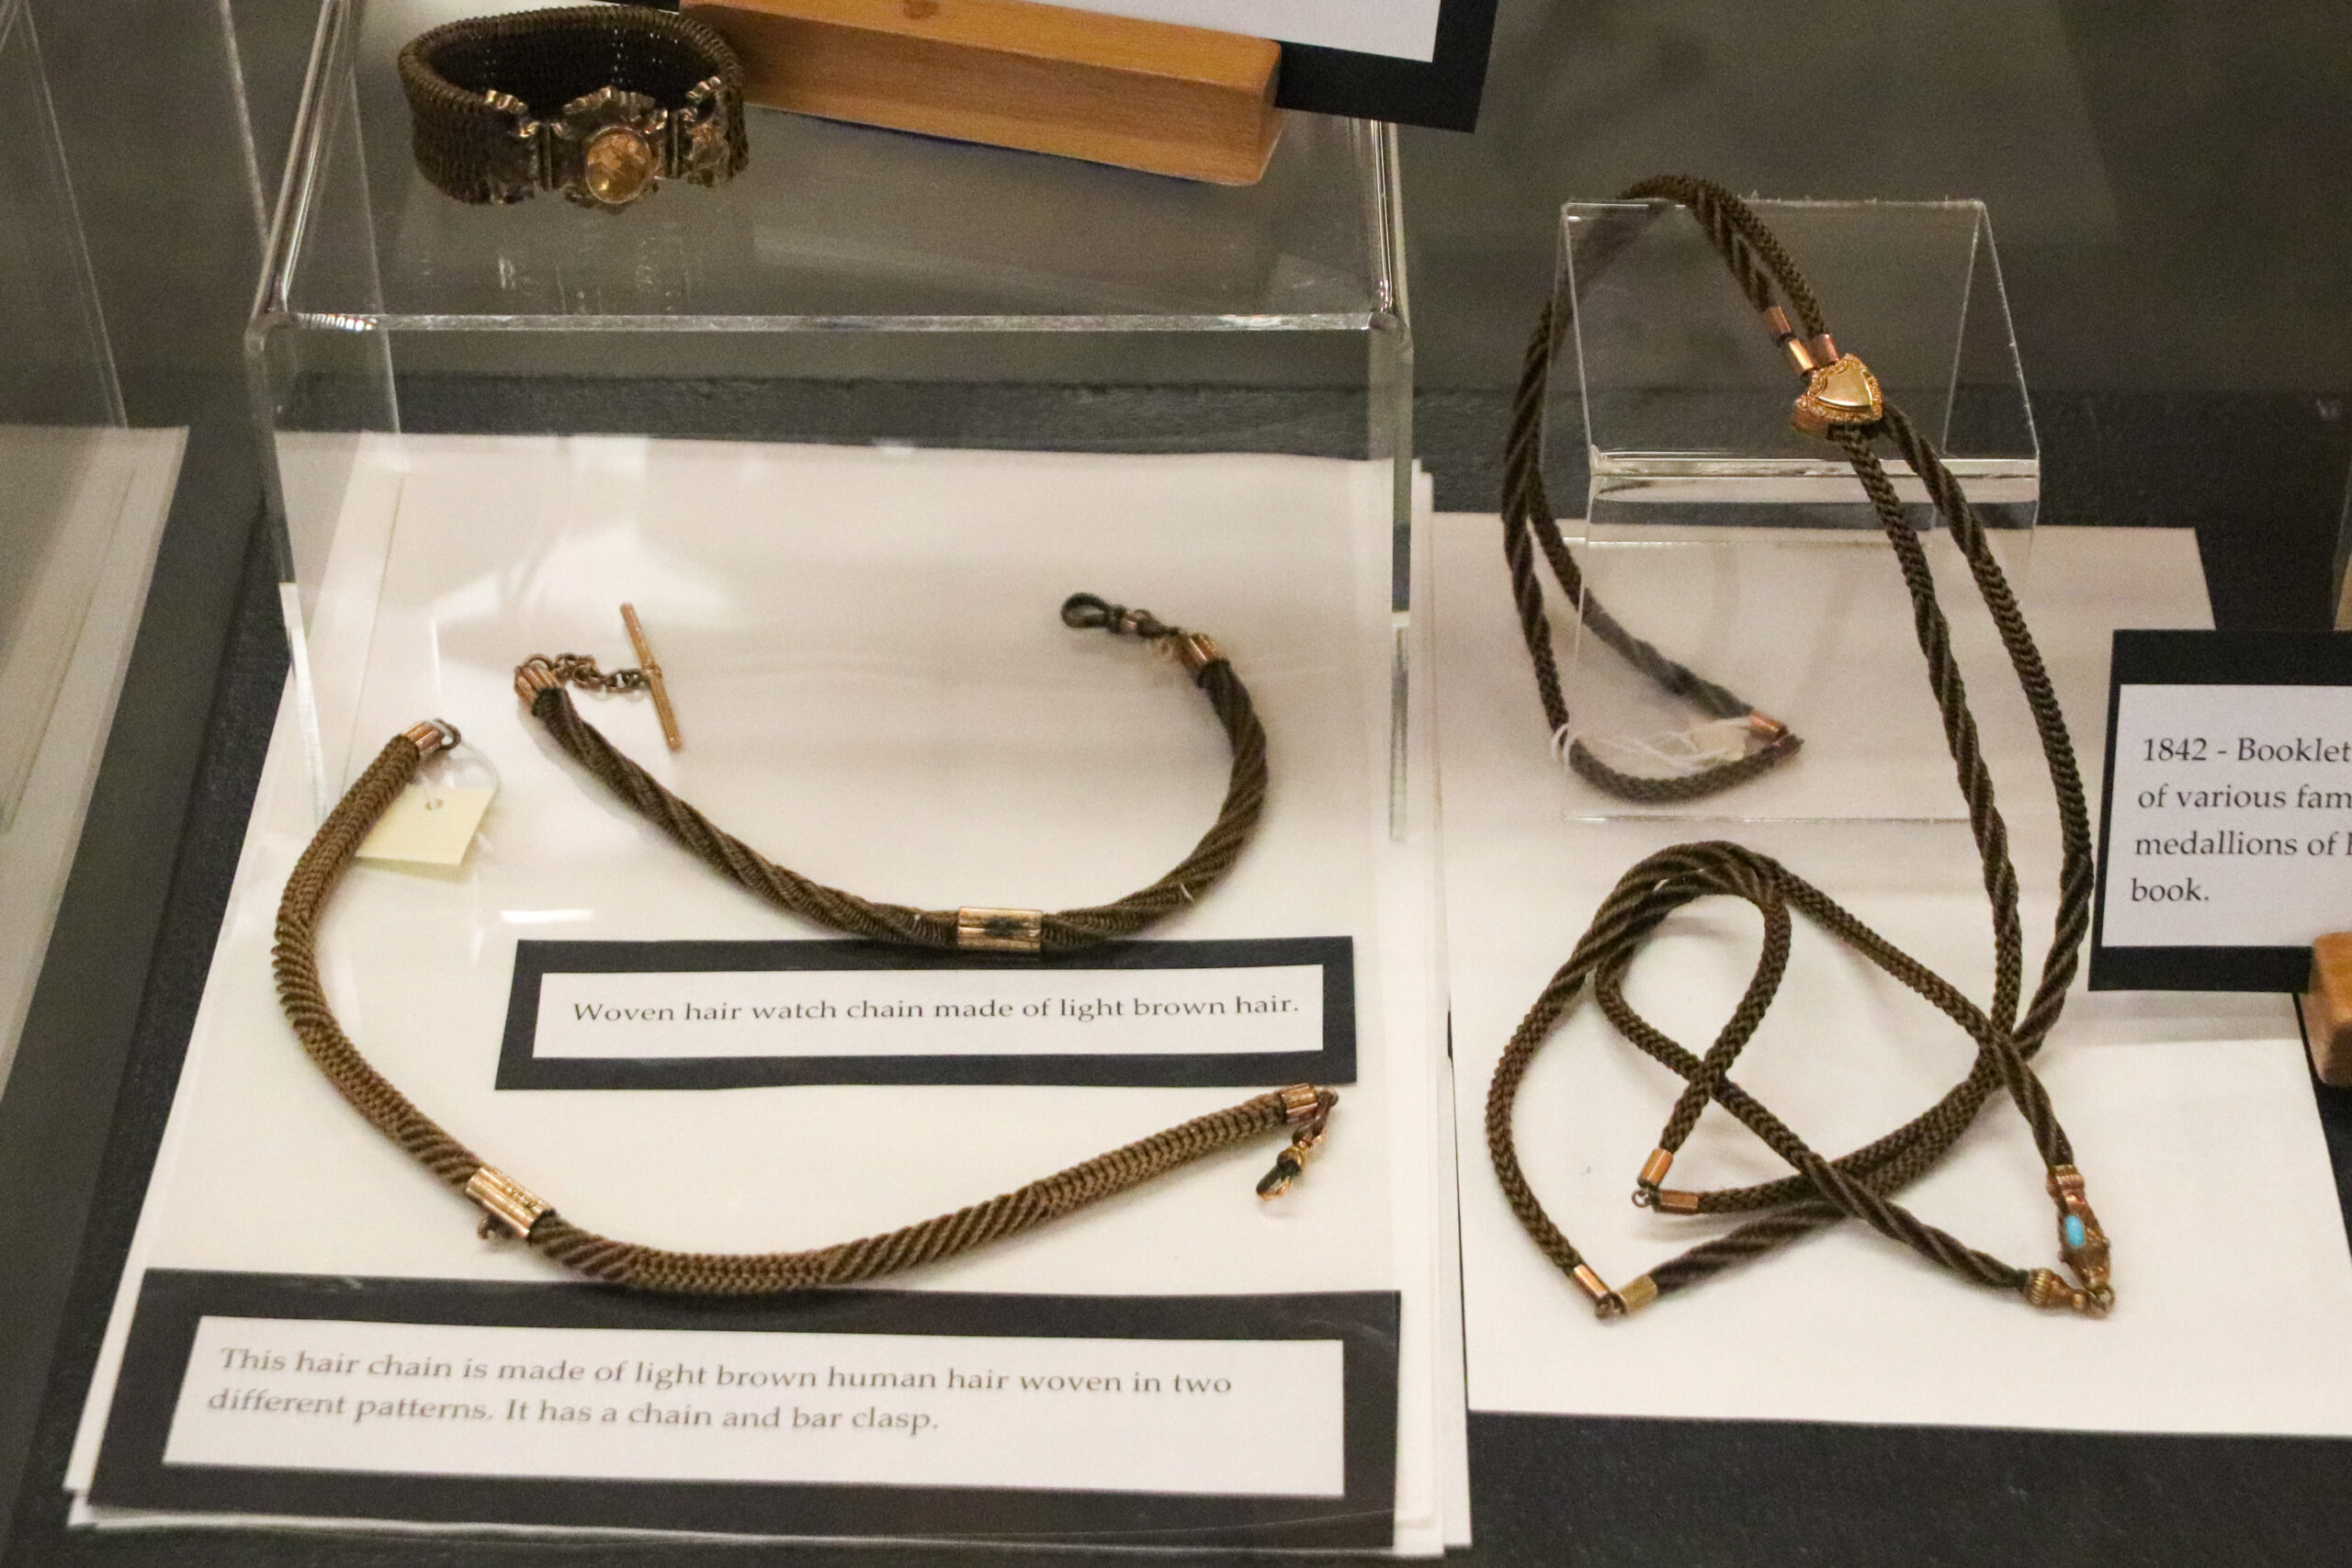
point(734, 1014)
point(431, 824)
point(1268, 1418)
point(2228, 842)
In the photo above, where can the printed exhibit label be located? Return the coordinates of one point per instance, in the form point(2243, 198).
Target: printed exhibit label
point(932, 1013)
point(675, 1404)
point(1265, 1420)
point(728, 1014)
point(2228, 842)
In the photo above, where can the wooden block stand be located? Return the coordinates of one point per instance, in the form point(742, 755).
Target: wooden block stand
point(2327, 1010)
point(1172, 100)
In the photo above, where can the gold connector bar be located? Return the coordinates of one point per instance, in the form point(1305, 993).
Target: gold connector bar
point(506, 1201)
point(1800, 357)
point(1001, 930)
point(1636, 1293)
point(653, 682)
point(1671, 1202)
point(1654, 1168)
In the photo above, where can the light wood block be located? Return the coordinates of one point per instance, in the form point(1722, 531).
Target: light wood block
point(2327, 1008)
point(1147, 95)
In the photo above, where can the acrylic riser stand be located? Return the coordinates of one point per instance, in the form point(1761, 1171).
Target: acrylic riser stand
point(849, 288)
point(1744, 549)
point(80, 516)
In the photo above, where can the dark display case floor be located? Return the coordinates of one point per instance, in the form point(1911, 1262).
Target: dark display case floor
point(2253, 476)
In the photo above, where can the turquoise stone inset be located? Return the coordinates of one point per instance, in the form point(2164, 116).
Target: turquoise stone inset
point(2074, 1233)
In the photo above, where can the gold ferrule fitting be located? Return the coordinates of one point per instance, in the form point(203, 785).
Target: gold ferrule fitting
point(1767, 728)
point(1800, 357)
point(2048, 1291)
point(1001, 930)
point(1824, 348)
point(1604, 1299)
point(2065, 1179)
point(532, 677)
point(1301, 1104)
point(1670, 1202)
point(1776, 321)
point(1636, 1293)
point(1654, 1168)
point(505, 1201)
point(433, 735)
point(1194, 650)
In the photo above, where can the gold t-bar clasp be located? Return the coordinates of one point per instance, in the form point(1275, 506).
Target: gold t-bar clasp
point(653, 682)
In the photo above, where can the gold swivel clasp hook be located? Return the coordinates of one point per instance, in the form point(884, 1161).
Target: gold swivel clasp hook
point(1195, 651)
point(1307, 1110)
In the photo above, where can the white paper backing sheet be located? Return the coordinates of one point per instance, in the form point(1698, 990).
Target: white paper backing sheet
point(2192, 1115)
point(1406, 28)
point(876, 688)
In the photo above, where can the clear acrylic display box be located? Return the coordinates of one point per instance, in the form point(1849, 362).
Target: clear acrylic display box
point(82, 513)
point(851, 286)
point(1746, 550)
point(845, 431)
point(61, 416)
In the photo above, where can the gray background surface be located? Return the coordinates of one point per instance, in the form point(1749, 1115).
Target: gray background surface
point(2168, 182)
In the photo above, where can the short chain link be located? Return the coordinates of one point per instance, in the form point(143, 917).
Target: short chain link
point(580, 670)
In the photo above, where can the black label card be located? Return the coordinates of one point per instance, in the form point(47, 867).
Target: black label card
point(739, 1014)
point(1441, 91)
point(1240, 1421)
point(2226, 841)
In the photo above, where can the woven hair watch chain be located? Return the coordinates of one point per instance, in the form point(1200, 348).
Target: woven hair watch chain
point(1302, 1111)
point(540, 681)
point(1840, 401)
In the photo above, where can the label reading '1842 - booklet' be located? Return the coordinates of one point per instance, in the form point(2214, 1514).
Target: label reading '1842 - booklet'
point(2228, 824)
